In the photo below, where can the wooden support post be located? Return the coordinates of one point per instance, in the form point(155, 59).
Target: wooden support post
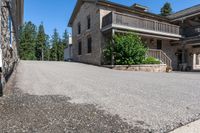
point(194, 61)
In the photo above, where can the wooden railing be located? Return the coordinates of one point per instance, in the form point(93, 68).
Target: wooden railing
point(160, 55)
point(139, 22)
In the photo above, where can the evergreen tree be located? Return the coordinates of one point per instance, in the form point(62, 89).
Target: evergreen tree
point(60, 50)
point(27, 41)
point(47, 49)
point(166, 9)
point(54, 47)
point(40, 43)
point(65, 39)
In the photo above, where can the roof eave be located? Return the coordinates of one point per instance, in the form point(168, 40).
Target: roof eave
point(134, 10)
point(78, 4)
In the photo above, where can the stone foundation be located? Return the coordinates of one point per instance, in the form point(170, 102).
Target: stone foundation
point(144, 68)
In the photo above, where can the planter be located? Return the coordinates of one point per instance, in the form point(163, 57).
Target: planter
point(144, 68)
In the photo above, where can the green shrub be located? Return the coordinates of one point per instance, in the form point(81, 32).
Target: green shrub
point(151, 60)
point(127, 49)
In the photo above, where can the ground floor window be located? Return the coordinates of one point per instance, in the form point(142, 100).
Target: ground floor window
point(159, 44)
point(79, 48)
point(89, 45)
point(10, 30)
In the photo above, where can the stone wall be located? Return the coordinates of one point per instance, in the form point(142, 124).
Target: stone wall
point(87, 9)
point(143, 68)
point(9, 37)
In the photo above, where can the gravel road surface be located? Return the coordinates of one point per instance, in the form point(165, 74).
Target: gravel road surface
point(139, 101)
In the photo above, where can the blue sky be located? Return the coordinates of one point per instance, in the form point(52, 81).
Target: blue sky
point(56, 13)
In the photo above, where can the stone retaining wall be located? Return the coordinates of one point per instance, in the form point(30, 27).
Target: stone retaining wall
point(144, 68)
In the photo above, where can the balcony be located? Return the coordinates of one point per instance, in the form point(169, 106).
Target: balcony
point(192, 31)
point(138, 24)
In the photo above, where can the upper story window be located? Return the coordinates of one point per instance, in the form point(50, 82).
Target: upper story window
point(79, 28)
point(88, 22)
point(89, 45)
point(80, 48)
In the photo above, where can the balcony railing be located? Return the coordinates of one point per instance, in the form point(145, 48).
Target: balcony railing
point(139, 23)
point(191, 31)
point(160, 55)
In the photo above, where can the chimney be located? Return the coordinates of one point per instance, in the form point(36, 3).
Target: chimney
point(139, 7)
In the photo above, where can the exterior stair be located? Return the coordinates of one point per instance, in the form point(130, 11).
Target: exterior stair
point(160, 55)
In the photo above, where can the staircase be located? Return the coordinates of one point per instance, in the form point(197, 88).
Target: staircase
point(160, 55)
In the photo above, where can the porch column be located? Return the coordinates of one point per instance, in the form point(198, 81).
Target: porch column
point(112, 58)
point(198, 58)
point(194, 61)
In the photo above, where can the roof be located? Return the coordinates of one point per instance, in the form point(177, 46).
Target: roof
point(145, 8)
point(114, 5)
point(186, 12)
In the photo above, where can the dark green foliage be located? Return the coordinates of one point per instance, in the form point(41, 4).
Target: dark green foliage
point(27, 41)
point(166, 9)
point(40, 43)
point(151, 60)
point(54, 41)
point(47, 49)
point(36, 45)
point(65, 39)
point(127, 49)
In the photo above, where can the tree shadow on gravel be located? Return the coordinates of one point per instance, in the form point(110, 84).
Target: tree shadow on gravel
point(55, 114)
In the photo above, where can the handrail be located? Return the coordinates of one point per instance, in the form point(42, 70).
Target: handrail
point(162, 56)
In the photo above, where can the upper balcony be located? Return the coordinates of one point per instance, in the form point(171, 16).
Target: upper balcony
point(140, 25)
point(192, 31)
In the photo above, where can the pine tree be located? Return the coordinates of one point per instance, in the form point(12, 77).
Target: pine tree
point(65, 39)
point(27, 41)
point(59, 48)
point(47, 49)
point(40, 43)
point(54, 47)
point(166, 9)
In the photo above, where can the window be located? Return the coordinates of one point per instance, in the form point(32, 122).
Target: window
point(89, 44)
point(159, 44)
point(10, 30)
point(79, 48)
point(88, 22)
point(79, 28)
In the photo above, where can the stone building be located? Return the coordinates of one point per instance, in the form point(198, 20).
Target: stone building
point(11, 17)
point(94, 22)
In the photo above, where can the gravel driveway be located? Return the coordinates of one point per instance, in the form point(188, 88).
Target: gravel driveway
point(158, 102)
